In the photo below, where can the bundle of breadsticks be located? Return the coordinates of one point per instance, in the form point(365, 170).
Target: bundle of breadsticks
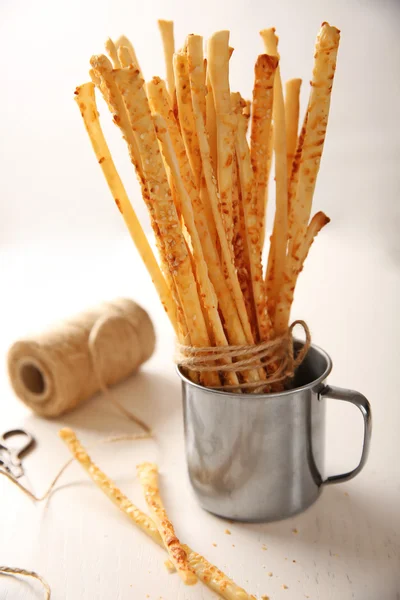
point(203, 157)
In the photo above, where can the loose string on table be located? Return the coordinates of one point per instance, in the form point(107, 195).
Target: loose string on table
point(278, 352)
point(25, 573)
point(110, 440)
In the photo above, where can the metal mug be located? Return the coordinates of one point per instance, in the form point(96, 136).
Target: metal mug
point(260, 457)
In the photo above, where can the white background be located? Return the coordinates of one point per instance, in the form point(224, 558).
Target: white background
point(63, 247)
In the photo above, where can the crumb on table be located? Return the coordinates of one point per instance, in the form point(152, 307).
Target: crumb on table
point(227, 532)
point(270, 574)
point(295, 531)
point(284, 587)
point(214, 544)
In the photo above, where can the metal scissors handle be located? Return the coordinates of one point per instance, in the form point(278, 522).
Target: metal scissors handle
point(10, 455)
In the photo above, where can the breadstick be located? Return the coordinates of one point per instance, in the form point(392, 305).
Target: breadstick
point(193, 64)
point(292, 109)
point(318, 221)
point(211, 123)
point(294, 178)
point(167, 35)
point(207, 290)
point(109, 487)
point(195, 61)
point(162, 208)
point(261, 133)
point(85, 98)
point(148, 475)
point(123, 41)
point(160, 104)
point(214, 578)
point(112, 53)
point(280, 230)
point(240, 249)
point(317, 119)
point(251, 220)
point(186, 119)
point(218, 67)
point(103, 69)
point(226, 250)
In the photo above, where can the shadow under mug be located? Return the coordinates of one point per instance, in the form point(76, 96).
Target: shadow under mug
point(260, 457)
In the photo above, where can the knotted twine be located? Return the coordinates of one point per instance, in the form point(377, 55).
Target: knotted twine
point(57, 370)
point(278, 353)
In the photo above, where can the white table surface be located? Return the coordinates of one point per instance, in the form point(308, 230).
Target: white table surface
point(347, 545)
point(63, 248)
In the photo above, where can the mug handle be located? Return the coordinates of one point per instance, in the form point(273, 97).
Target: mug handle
point(337, 393)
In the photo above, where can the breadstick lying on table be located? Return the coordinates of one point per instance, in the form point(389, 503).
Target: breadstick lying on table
point(210, 575)
point(148, 476)
point(109, 487)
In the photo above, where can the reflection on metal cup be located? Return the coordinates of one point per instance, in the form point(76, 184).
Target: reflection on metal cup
point(260, 457)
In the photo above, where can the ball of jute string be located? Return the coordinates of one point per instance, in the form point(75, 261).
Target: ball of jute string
point(57, 370)
point(277, 353)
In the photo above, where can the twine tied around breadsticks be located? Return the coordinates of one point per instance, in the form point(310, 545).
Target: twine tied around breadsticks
point(276, 356)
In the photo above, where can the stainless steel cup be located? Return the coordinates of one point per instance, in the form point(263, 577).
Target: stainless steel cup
point(261, 457)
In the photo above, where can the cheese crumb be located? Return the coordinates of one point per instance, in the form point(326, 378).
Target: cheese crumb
point(227, 532)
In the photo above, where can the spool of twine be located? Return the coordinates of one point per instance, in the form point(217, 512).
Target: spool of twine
point(55, 371)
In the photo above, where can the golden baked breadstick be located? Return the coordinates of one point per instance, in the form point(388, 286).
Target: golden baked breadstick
point(123, 41)
point(292, 109)
point(160, 104)
point(167, 35)
point(240, 249)
point(108, 486)
point(251, 220)
point(218, 54)
point(318, 221)
point(211, 123)
point(214, 578)
point(261, 133)
point(226, 249)
point(148, 476)
point(280, 230)
point(210, 301)
point(317, 119)
point(162, 208)
point(112, 53)
point(294, 178)
point(194, 64)
point(85, 98)
point(103, 69)
point(186, 118)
